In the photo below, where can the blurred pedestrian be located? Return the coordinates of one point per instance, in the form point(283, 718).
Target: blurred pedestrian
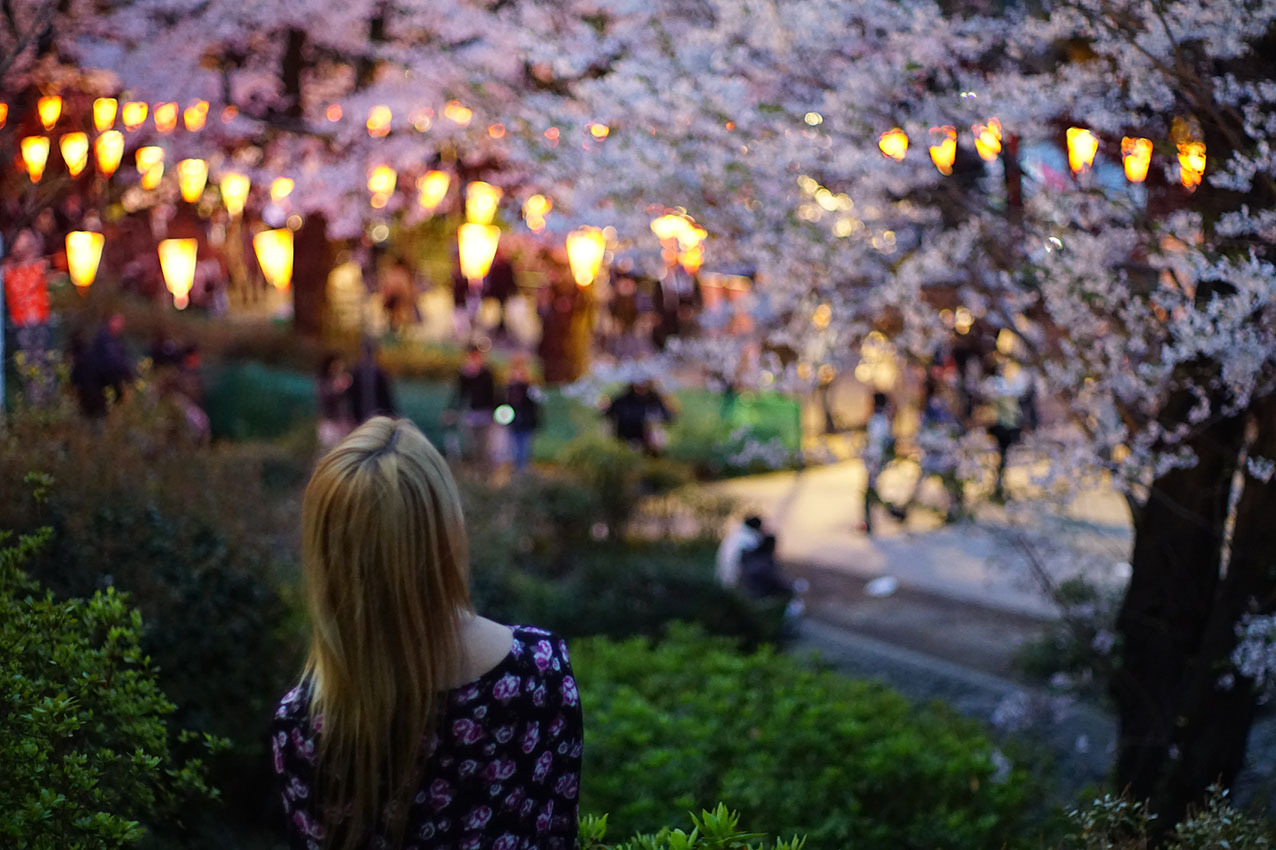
point(102, 372)
point(936, 437)
point(524, 399)
point(1007, 389)
point(336, 416)
point(474, 401)
point(879, 450)
point(370, 391)
point(639, 417)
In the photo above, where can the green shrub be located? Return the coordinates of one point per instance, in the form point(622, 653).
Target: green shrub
point(1115, 823)
point(850, 764)
point(715, 830)
point(86, 758)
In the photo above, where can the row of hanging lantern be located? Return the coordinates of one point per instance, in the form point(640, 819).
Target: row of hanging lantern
point(178, 259)
point(1136, 152)
point(132, 114)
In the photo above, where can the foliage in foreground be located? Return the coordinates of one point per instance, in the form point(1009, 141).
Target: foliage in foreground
point(712, 830)
point(847, 763)
point(1114, 823)
point(87, 756)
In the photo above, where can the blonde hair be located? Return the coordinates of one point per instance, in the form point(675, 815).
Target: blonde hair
point(386, 567)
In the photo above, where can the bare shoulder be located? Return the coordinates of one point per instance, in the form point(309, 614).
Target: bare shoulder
point(486, 643)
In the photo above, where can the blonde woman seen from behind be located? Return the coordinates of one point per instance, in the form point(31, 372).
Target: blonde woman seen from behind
point(417, 723)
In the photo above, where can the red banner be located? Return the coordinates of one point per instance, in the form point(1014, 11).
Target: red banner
point(27, 291)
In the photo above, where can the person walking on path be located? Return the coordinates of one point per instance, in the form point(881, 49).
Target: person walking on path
point(474, 401)
point(639, 416)
point(370, 391)
point(524, 399)
point(879, 450)
point(935, 437)
point(416, 721)
point(1007, 389)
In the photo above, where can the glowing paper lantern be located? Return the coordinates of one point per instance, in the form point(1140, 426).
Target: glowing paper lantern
point(476, 244)
point(599, 131)
point(691, 235)
point(481, 201)
point(35, 154)
point(150, 164)
point(177, 262)
point(75, 152)
point(280, 188)
point(379, 118)
point(104, 109)
point(165, 117)
point(585, 249)
point(274, 255)
point(4, 114)
point(432, 189)
point(668, 226)
point(108, 149)
point(535, 208)
point(381, 183)
point(987, 139)
point(1137, 155)
point(944, 151)
point(1191, 164)
point(133, 114)
point(194, 116)
point(49, 109)
point(457, 113)
point(234, 188)
point(83, 254)
point(894, 144)
point(1082, 146)
point(692, 258)
point(192, 177)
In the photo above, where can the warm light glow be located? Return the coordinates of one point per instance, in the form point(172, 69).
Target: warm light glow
point(195, 116)
point(83, 253)
point(692, 258)
point(481, 201)
point(381, 183)
point(944, 151)
point(1082, 146)
point(1191, 164)
point(535, 208)
point(104, 109)
point(691, 235)
point(599, 131)
point(234, 188)
point(274, 255)
point(165, 116)
point(432, 189)
point(281, 188)
point(108, 148)
point(379, 118)
point(668, 226)
point(496, 131)
point(134, 114)
point(585, 249)
point(50, 110)
point(987, 139)
point(150, 164)
point(1137, 154)
point(334, 112)
point(177, 262)
point(476, 244)
point(894, 144)
point(35, 155)
point(192, 177)
point(458, 114)
point(4, 114)
point(75, 152)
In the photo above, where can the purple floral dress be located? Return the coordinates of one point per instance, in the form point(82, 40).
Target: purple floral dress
point(504, 775)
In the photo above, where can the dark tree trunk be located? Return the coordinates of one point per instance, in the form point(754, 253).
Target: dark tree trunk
point(312, 264)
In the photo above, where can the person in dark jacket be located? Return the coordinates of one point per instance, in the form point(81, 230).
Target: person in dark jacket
point(638, 416)
point(104, 365)
point(370, 391)
point(524, 400)
point(474, 401)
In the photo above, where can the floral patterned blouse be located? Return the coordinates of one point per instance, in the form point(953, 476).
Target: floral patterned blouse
point(505, 774)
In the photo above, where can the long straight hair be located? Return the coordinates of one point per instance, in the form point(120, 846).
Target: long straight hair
point(386, 567)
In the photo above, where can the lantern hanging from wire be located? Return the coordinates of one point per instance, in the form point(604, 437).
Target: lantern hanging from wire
point(194, 116)
point(1191, 164)
point(481, 201)
point(165, 117)
point(49, 109)
point(894, 144)
point(535, 208)
point(281, 188)
point(476, 246)
point(150, 164)
point(234, 188)
point(35, 155)
point(83, 254)
point(1136, 154)
point(192, 177)
point(4, 114)
point(75, 152)
point(274, 254)
point(987, 139)
point(104, 109)
point(943, 151)
point(133, 114)
point(108, 149)
point(177, 262)
point(1082, 146)
point(692, 258)
point(432, 189)
point(586, 247)
point(668, 226)
point(381, 182)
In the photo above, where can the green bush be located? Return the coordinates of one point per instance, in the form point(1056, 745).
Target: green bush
point(850, 764)
point(86, 758)
point(715, 830)
point(1115, 823)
